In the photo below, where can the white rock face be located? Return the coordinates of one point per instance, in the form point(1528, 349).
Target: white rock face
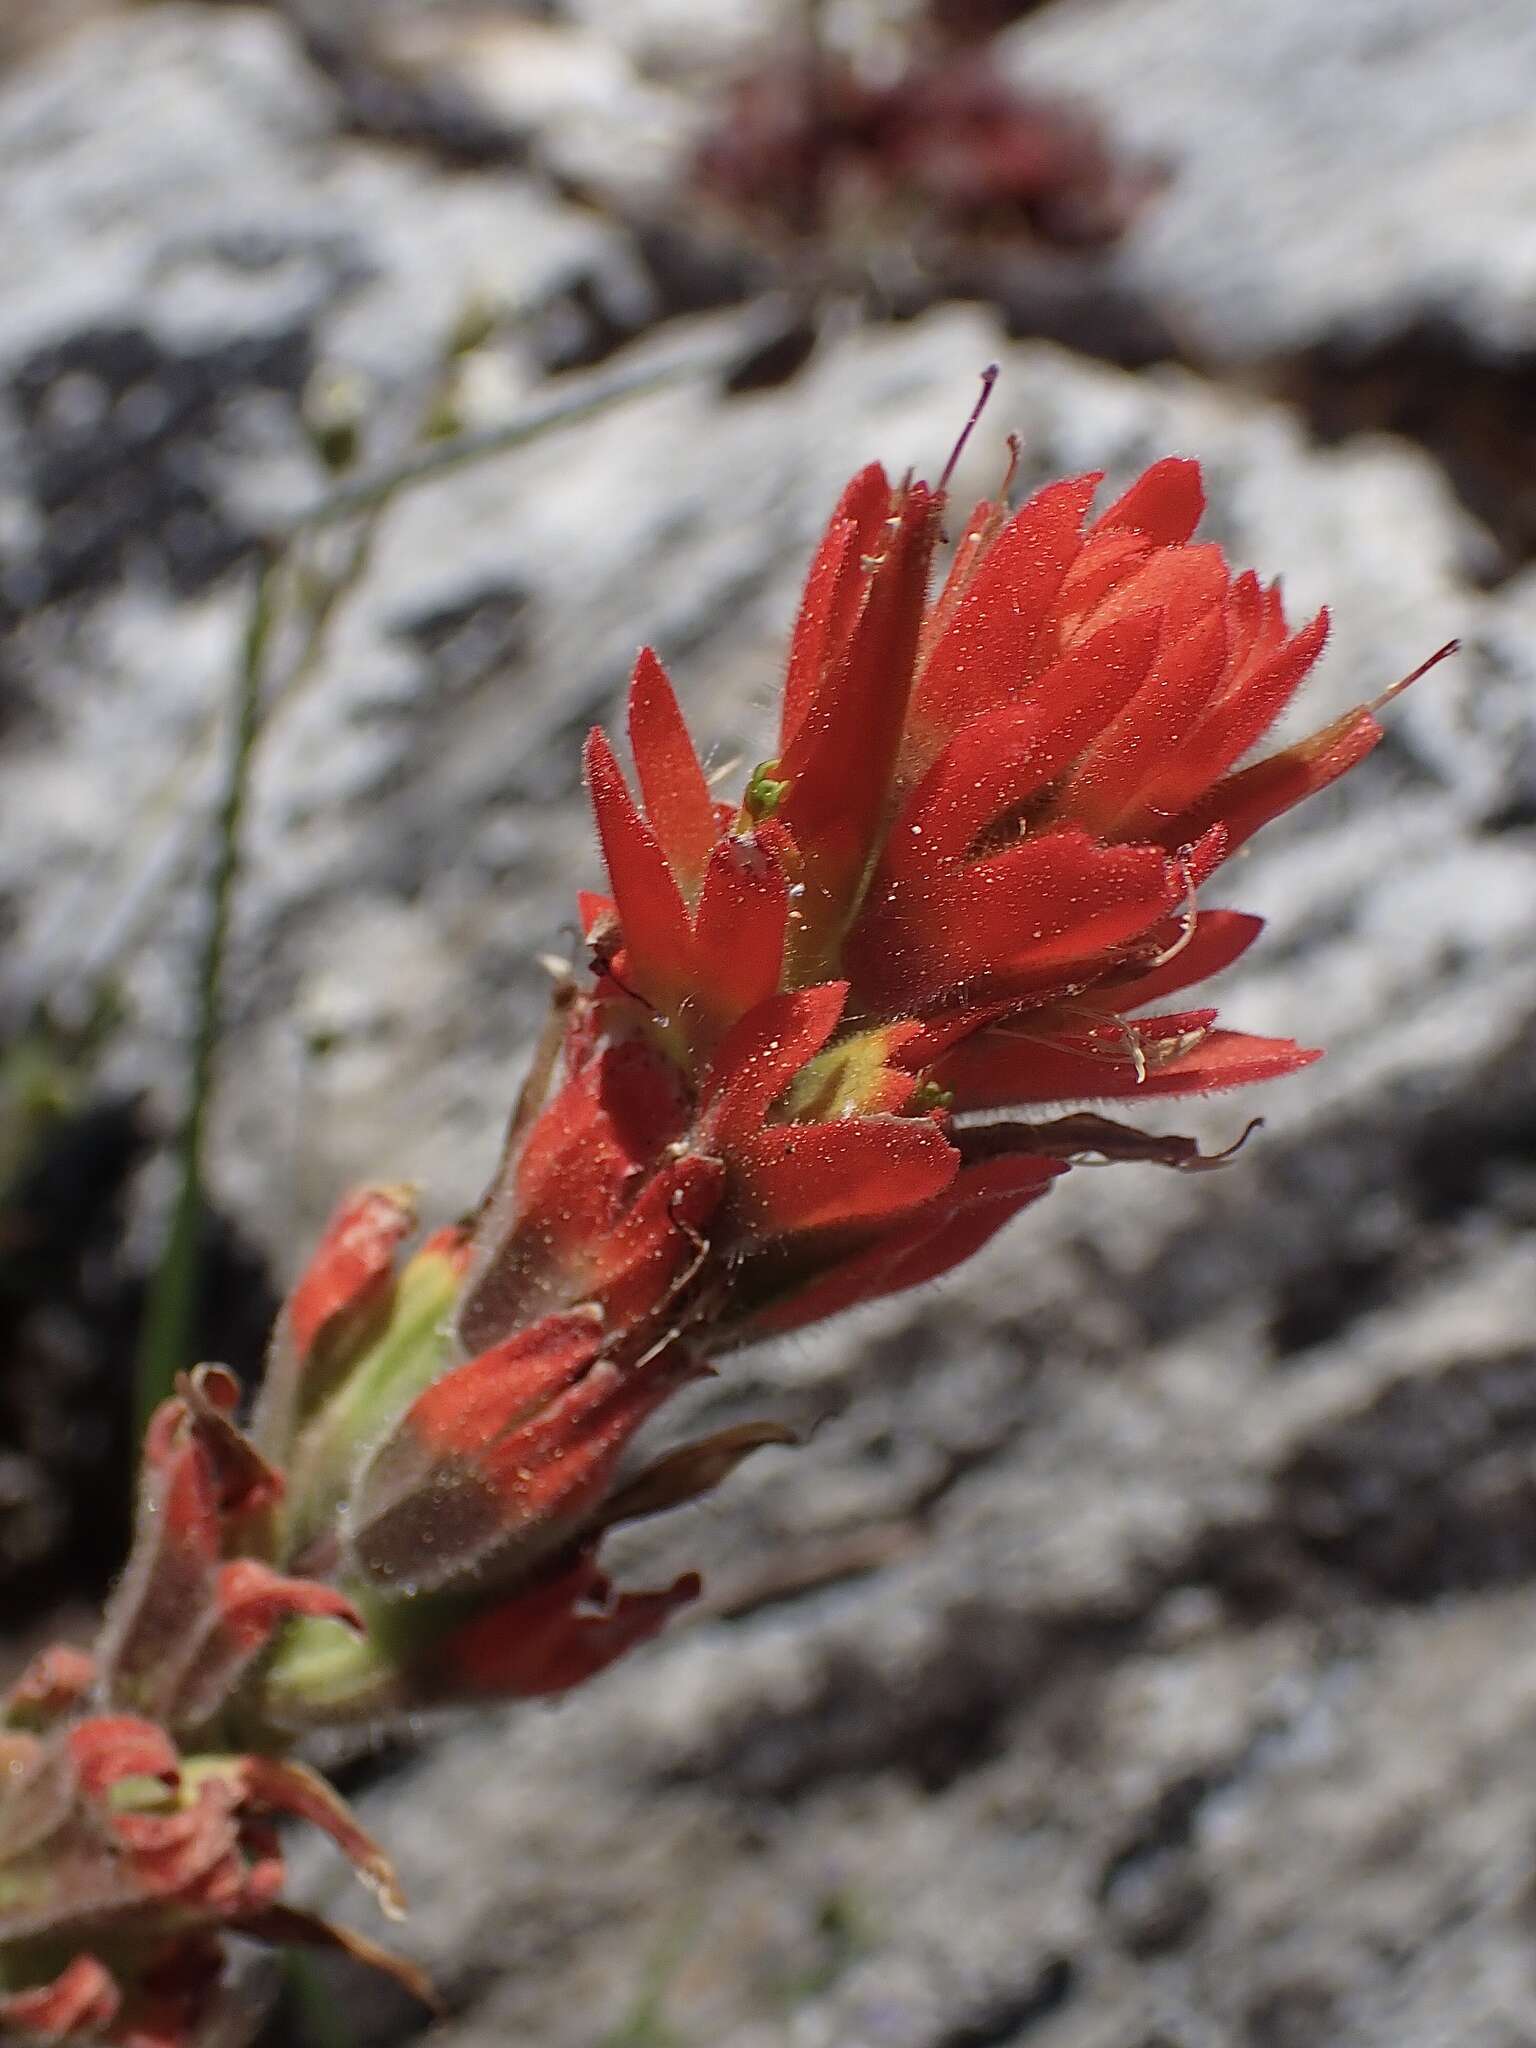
point(1340, 171)
point(1162, 1664)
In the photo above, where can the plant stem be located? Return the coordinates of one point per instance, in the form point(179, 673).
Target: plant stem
point(164, 1345)
point(441, 458)
point(320, 2022)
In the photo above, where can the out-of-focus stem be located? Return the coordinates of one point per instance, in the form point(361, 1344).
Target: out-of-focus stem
point(164, 1345)
point(316, 2011)
point(457, 451)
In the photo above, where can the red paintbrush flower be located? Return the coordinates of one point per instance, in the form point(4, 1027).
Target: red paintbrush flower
point(957, 887)
point(983, 802)
point(133, 1860)
point(947, 151)
point(966, 874)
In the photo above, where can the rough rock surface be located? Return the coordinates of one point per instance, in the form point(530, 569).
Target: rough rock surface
point(1341, 172)
point(1141, 1651)
point(1346, 220)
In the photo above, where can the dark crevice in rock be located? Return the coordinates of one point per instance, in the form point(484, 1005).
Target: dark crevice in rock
point(378, 2013)
point(1514, 810)
point(117, 433)
point(1295, 2015)
point(1090, 314)
point(1460, 1157)
point(466, 642)
point(789, 346)
point(965, 21)
point(1360, 1211)
point(1430, 1490)
point(1473, 411)
point(941, 1721)
point(66, 1323)
point(70, 1314)
point(673, 274)
point(1319, 1302)
point(1150, 1890)
point(362, 1761)
point(1010, 2015)
point(411, 113)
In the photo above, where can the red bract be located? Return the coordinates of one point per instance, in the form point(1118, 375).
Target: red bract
point(341, 1302)
point(505, 1459)
point(554, 1636)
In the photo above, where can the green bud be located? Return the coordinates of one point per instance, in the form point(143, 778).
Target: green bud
point(478, 319)
point(404, 1360)
point(335, 412)
point(323, 1674)
point(765, 792)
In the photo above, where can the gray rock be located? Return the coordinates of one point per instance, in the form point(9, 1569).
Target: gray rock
point(1340, 176)
point(1341, 173)
point(186, 242)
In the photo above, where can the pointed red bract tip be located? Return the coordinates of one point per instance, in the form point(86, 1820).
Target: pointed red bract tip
point(344, 1289)
point(676, 796)
point(1166, 503)
point(838, 766)
point(834, 589)
point(742, 920)
point(983, 655)
point(658, 938)
point(1238, 716)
